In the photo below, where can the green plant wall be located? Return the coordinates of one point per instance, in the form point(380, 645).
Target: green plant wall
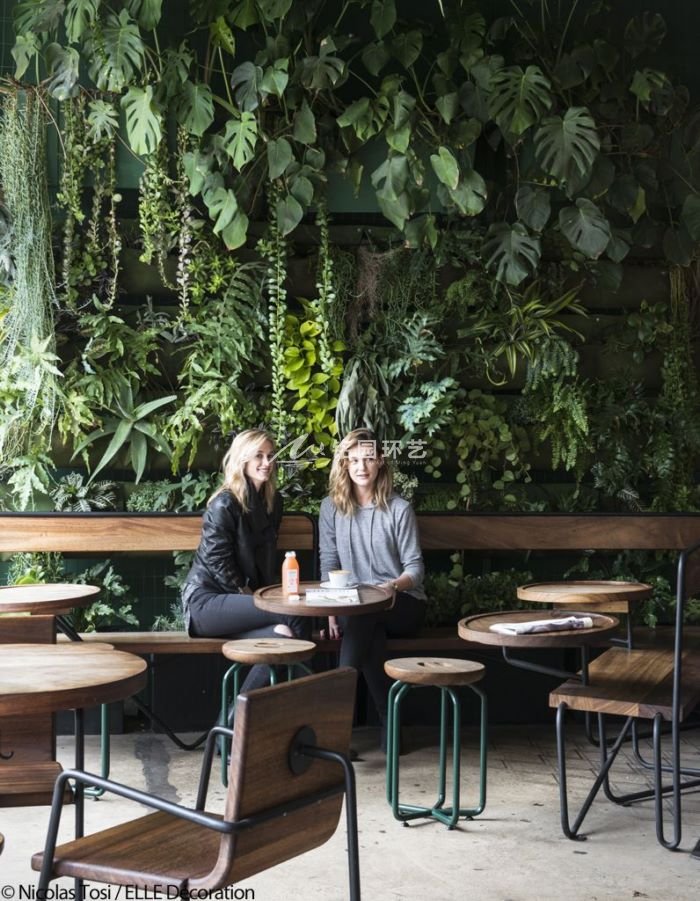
point(473, 227)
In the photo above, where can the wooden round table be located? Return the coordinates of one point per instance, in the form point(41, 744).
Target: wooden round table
point(478, 628)
point(51, 598)
point(372, 600)
point(613, 596)
point(43, 678)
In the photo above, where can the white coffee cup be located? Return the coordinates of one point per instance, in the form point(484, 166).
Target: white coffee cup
point(339, 578)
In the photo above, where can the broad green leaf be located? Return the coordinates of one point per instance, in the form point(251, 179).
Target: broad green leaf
point(143, 119)
point(245, 82)
point(138, 453)
point(407, 47)
point(512, 252)
point(81, 16)
point(289, 214)
point(198, 168)
point(421, 231)
point(645, 32)
point(402, 105)
point(279, 156)
point(222, 36)
point(304, 124)
point(354, 113)
point(533, 206)
point(519, 99)
point(448, 106)
point(221, 202)
point(302, 188)
point(383, 16)
point(146, 12)
point(275, 78)
point(25, 48)
point(678, 246)
point(240, 138)
point(196, 109)
point(150, 406)
point(375, 56)
point(585, 227)
point(36, 15)
point(445, 167)
point(398, 138)
point(471, 194)
point(244, 14)
point(649, 85)
point(103, 120)
point(389, 181)
point(574, 68)
point(567, 147)
point(63, 64)
point(116, 52)
point(322, 72)
point(619, 245)
point(627, 196)
point(690, 216)
point(235, 233)
point(274, 9)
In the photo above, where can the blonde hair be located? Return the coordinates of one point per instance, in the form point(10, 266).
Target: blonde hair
point(243, 448)
point(340, 488)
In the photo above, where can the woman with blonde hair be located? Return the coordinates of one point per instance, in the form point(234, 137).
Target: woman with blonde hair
point(237, 552)
point(369, 530)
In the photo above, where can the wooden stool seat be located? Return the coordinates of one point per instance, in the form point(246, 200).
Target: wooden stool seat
point(434, 670)
point(268, 650)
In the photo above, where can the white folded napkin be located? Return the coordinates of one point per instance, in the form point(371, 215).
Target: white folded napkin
point(543, 625)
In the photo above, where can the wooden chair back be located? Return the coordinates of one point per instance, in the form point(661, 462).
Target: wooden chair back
point(260, 777)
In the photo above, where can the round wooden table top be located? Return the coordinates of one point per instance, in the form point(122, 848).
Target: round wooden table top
point(478, 629)
point(44, 597)
point(272, 599)
point(434, 670)
point(268, 650)
point(578, 594)
point(42, 678)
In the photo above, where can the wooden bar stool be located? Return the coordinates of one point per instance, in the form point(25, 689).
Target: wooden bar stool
point(444, 673)
point(290, 652)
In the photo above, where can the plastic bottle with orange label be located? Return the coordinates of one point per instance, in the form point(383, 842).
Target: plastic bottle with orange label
point(290, 574)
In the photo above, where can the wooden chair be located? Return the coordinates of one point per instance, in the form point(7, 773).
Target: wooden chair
point(289, 772)
point(660, 684)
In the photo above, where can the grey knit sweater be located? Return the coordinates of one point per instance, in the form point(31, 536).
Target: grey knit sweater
point(375, 545)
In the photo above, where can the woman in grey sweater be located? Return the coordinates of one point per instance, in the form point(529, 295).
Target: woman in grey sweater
point(369, 530)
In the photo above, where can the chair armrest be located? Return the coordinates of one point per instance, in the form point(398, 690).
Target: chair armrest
point(205, 772)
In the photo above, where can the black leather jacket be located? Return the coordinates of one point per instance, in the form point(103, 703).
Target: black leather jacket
point(237, 549)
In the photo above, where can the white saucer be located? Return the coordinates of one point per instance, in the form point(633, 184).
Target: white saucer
point(344, 588)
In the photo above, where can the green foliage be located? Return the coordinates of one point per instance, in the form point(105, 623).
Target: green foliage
point(114, 607)
point(456, 594)
point(152, 497)
point(73, 495)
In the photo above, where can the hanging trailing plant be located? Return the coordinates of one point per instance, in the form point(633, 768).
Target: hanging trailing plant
point(29, 386)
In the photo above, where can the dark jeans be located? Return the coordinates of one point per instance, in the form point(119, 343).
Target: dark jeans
point(214, 615)
point(364, 642)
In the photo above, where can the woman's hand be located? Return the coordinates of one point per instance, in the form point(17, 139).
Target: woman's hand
point(334, 630)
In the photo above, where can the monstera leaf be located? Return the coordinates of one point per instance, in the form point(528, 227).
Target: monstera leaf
point(567, 147)
point(585, 227)
point(644, 33)
point(383, 16)
point(518, 99)
point(533, 206)
point(63, 63)
point(196, 110)
point(512, 251)
point(240, 137)
point(245, 81)
point(116, 53)
point(146, 12)
point(143, 119)
point(279, 156)
point(81, 16)
point(103, 120)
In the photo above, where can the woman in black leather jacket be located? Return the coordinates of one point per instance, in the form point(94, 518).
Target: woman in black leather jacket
point(236, 553)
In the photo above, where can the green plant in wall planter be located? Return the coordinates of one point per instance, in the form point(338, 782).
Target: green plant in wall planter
point(73, 494)
point(132, 430)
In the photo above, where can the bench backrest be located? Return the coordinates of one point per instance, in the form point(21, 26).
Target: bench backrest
point(112, 532)
point(260, 779)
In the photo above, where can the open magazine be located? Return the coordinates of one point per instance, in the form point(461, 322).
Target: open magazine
point(340, 596)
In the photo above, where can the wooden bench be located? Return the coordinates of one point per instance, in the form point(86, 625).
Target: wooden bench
point(107, 533)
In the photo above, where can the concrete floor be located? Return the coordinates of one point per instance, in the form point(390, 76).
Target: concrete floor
point(513, 852)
